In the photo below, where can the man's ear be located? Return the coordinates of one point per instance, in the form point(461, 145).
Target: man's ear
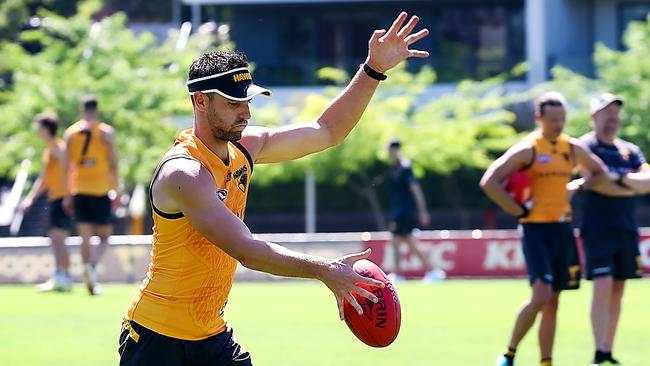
point(200, 101)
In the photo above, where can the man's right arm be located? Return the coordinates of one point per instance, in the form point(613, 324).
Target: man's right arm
point(37, 190)
point(68, 205)
point(493, 181)
point(189, 188)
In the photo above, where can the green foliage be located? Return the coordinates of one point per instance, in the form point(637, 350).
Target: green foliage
point(139, 84)
point(626, 73)
point(443, 134)
point(13, 14)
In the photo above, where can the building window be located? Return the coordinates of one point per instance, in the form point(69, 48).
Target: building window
point(468, 39)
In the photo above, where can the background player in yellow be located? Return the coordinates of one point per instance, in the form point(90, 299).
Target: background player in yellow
point(549, 157)
point(199, 195)
point(50, 181)
point(91, 175)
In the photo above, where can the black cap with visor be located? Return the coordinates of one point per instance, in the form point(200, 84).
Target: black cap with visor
point(236, 84)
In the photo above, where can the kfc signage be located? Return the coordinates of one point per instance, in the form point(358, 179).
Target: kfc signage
point(465, 256)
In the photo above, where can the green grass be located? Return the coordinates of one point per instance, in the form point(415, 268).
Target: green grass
point(455, 323)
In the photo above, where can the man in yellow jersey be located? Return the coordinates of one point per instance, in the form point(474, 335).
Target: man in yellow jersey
point(90, 165)
point(198, 197)
point(548, 157)
point(50, 181)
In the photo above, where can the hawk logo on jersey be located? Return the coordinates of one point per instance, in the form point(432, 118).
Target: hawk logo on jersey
point(241, 176)
point(222, 194)
point(625, 153)
point(566, 156)
point(544, 159)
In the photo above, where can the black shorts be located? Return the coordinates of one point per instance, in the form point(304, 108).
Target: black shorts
point(612, 253)
point(551, 254)
point(404, 225)
point(58, 217)
point(92, 209)
point(152, 348)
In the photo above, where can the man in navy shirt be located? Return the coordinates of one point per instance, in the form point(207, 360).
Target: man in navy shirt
point(407, 210)
point(609, 227)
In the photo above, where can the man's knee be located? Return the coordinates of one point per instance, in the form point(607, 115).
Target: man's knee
point(104, 232)
point(542, 294)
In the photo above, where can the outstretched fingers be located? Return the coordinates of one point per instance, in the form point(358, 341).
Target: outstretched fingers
point(418, 54)
point(353, 301)
point(397, 24)
point(416, 36)
point(358, 256)
point(365, 293)
point(370, 281)
point(376, 35)
point(339, 304)
point(408, 28)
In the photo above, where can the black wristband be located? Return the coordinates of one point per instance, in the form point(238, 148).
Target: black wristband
point(525, 213)
point(374, 74)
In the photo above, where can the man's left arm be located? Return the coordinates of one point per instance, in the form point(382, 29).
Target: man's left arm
point(594, 168)
point(386, 49)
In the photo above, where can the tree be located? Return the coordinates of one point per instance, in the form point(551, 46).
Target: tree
point(140, 85)
point(624, 72)
point(13, 14)
point(443, 135)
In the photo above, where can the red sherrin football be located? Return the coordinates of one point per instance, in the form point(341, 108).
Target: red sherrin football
point(379, 324)
point(519, 186)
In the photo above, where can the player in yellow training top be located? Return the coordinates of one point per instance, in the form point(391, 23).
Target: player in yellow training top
point(199, 194)
point(549, 157)
point(50, 181)
point(91, 174)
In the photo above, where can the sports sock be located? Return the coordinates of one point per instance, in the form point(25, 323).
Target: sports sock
point(546, 362)
point(510, 355)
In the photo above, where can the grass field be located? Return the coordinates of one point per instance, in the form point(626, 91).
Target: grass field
point(454, 323)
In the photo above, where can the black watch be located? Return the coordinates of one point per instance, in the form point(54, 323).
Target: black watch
point(525, 213)
point(619, 180)
point(374, 74)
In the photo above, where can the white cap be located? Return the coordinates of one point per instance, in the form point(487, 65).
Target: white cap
point(603, 101)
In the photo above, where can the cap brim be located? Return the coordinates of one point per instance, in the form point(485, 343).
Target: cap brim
point(254, 90)
point(604, 104)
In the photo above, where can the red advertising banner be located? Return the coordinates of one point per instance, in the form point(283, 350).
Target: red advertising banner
point(468, 253)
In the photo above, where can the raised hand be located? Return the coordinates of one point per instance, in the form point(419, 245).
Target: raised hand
point(342, 280)
point(386, 49)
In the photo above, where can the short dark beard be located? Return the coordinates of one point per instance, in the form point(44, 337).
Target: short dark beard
point(221, 134)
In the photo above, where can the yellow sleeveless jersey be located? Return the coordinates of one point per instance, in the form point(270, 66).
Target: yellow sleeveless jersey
point(89, 159)
point(53, 172)
point(550, 171)
point(187, 285)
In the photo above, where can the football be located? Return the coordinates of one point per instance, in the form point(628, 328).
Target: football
point(379, 324)
point(519, 186)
